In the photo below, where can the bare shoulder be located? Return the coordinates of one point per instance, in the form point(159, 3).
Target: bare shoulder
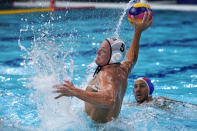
point(108, 77)
point(112, 70)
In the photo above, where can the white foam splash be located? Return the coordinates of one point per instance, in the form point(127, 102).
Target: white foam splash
point(49, 65)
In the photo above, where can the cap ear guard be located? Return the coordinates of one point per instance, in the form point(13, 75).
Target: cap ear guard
point(118, 50)
point(116, 57)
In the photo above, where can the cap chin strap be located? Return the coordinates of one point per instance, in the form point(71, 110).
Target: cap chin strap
point(99, 68)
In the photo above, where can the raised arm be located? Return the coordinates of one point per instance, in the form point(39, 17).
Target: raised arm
point(139, 27)
point(105, 97)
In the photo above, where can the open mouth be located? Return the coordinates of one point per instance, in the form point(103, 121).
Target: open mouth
point(138, 96)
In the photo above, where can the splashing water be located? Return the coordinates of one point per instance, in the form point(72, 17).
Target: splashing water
point(49, 62)
point(128, 5)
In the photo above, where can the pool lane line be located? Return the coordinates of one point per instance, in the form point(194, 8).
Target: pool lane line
point(165, 72)
point(20, 11)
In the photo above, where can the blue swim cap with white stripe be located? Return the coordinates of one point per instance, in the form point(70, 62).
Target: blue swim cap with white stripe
point(149, 84)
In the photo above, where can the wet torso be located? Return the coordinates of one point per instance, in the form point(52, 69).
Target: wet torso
point(101, 114)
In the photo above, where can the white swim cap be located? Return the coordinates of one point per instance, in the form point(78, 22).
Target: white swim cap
point(118, 50)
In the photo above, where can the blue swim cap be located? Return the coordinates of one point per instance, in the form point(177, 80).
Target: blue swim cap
point(149, 84)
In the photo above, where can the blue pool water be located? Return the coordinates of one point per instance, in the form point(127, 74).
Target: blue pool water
point(39, 50)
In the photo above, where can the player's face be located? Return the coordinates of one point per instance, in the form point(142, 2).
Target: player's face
point(103, 54)
point(140, 91)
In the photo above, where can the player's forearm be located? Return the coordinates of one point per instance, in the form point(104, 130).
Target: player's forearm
point(96, 98)
point(132, 54)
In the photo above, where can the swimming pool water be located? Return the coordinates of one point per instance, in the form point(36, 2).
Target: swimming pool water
point(62, 45)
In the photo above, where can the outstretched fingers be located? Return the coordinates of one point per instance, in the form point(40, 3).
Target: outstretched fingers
point(59, 90)
point(58, 86)
point(64, 89)
point(133, 19)
point(147, 22)
point(59, 96)
point(150, 22)
point(68, 83)
point(146, 17)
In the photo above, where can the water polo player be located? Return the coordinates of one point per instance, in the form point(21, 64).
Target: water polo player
point(143, 89)
point(103, 96)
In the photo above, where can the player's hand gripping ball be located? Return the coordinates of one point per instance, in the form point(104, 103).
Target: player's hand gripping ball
point(138, 10)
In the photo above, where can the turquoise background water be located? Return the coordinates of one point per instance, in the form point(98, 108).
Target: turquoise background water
point(62, 45)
